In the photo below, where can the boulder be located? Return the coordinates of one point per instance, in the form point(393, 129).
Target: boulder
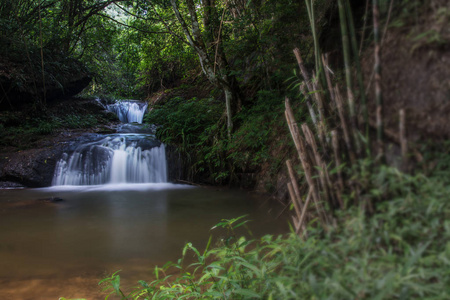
point(32, 168)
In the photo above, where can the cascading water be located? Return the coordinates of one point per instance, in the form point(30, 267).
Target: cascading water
point(116, 158)
point(129, 111)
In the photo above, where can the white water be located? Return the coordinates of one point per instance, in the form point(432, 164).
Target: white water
point(116, 159)
point(129, 111)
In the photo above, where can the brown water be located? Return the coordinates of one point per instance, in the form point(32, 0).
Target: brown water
point(62, 249)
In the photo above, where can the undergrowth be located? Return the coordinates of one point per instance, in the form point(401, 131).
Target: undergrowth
point(402, 251)
point(192, 126)
point(22, 130)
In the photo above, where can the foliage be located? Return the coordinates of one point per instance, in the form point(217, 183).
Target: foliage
point(258, 128)
point(400, 252)
point(24, 129)
point(193, 127)
point(77, 121)
point(188, 124)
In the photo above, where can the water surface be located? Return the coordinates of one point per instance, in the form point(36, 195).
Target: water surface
point(54, 249)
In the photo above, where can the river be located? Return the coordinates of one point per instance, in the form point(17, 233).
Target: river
point(54, 249)
point(61, 240)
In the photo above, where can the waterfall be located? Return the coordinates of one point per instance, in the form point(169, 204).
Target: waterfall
point(118, 158)
point(129, 111)
point(115, 159)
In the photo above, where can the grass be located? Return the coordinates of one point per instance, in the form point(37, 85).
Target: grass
point(402, 251)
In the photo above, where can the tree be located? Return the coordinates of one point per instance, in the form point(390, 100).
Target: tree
point(208, 45)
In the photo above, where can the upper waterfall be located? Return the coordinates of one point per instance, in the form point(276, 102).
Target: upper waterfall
point(129, 111)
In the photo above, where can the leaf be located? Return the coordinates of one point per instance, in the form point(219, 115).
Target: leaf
point(251, 267)
point(116, 283)
point(247, 293)
point(213, 294)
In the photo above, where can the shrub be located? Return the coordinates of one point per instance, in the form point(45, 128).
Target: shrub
point(401, 252)
point(191, 125)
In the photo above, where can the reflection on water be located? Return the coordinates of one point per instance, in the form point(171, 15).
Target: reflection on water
point(53, 249)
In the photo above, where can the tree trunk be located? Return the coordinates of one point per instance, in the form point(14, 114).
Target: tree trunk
point(228, 101)
point(212, 59)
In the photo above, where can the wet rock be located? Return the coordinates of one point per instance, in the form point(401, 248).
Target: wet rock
point(106, 130)
point(35, 167)
point(10, 185)
point(32, 168)
point(51, 199)
point(137, 128)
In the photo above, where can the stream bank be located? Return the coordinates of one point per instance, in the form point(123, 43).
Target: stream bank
point(32, 142)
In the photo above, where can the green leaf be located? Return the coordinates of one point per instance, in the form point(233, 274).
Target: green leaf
point(247, 293)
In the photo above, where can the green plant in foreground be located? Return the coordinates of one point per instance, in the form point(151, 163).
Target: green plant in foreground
point(401, 252)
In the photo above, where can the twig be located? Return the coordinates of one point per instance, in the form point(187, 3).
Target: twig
point(403, 140)
point(359, 75)
point(383, 40)
point(42, 57)
point(377, 67)
point(218, 41)
point(303, 69)
point(188, 182)
point(320, 105)
point(294, 183)
point(346, 50)
point(302, 153)
point(312, 113)
point(328, 77)
point(294, 199)
point(366, 12)
point(337, 158)
point(344, 126)
point(303, 215)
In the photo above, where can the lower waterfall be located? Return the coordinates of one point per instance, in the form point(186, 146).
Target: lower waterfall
point(121, 158)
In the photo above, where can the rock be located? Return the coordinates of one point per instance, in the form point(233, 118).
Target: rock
point(32, 168)
point(35, 167)
point(51, 199)
point(10, 185)
point(105, 130)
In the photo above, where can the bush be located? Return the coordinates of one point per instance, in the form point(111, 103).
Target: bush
point(74, 121)
point(197, 128)
point(401, 252)
point(258, 126)
point(191, 126)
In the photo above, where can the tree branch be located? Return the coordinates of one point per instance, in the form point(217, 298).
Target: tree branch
point(191, 40)
point(133, 27)
point(134, 15)
point(181, 39)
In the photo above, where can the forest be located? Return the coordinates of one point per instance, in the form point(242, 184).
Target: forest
point(336, 109)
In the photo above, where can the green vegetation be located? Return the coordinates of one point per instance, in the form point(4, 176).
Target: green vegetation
point(392, 232)
point(402, 251)
point(381, 234)
point(25, 129)
point(192, 125)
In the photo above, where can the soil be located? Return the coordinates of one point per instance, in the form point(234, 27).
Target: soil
point(415, 77)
